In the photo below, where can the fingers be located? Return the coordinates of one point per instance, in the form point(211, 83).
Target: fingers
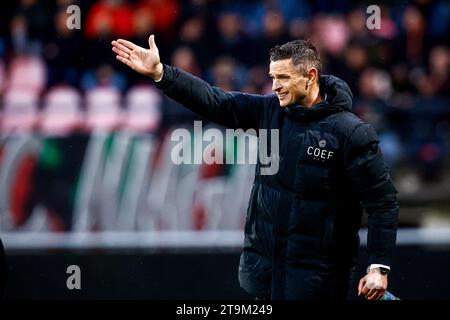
point(123, 60)
point(380, 294)
point(128, 44)
point(362, 288)
point(375, 294)
point(362, 282)
point(371, 294)
point(121, 53)
point(120, 47)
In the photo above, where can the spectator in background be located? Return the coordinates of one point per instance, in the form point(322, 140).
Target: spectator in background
point(258, 81)
point(232, 40)
point(355, 61)
point(389, 30)
point(439, 20)
point(63, 53)
point(103, 76)
point(436, 81)
point(401, 79)
point(358, 32)
point(299, 29)
point(184, 58)
point(19, 34)
point(36, 21)
point(332, 33)
point(439, 62)
point(197, 7)
point(227, 74)
point(164, 14)
point(294, 10)
point(254, 11)
point(412, 41)
point(105, 20)
point(275, 31)
point(143, 22)
point(193, 34)
point(109, 18)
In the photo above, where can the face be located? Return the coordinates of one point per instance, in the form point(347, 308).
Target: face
point(288, 83)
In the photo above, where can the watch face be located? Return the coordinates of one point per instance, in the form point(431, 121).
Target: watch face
point(384, 270)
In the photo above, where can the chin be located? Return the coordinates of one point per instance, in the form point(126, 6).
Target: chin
point(283, 103)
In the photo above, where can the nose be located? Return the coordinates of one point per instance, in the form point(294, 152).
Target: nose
point(275, 85)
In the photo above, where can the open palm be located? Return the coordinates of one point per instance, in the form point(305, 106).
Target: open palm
point(144, 61)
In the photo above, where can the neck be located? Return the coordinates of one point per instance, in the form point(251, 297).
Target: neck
point(313, 97)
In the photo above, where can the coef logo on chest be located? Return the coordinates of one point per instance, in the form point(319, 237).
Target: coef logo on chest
point(320, 153)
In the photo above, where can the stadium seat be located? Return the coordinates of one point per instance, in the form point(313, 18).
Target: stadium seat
point(27, 72)
point(61, 113)
point(103, 108)
point(143, 105)
point(20, 111)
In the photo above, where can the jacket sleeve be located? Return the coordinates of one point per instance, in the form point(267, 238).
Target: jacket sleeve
point(371, 180)
point(230, 109)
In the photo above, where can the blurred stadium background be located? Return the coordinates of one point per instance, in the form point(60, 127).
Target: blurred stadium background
point(85, 170)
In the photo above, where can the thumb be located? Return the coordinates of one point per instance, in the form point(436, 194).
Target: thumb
point(362, 282)
point(151, 42)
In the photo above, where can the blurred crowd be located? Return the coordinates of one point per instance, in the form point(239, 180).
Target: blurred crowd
point(398, 73)
point(227, 41)
point(209, 37)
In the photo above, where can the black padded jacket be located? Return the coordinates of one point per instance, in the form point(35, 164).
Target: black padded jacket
point(301, 232)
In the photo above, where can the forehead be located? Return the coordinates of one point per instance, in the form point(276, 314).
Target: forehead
point(282, 66)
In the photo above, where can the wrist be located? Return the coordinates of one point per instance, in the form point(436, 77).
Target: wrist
point(378, 269)
point(159, 73)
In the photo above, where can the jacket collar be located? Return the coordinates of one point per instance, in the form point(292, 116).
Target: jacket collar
point(338, 97)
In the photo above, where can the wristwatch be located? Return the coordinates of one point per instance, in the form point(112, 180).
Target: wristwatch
point(383, 270)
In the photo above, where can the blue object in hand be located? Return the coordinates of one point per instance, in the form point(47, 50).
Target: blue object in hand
point(388, 296)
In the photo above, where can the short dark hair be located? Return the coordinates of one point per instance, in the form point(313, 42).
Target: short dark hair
point(303, 53)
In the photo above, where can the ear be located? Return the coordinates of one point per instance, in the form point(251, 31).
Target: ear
point(312, 76)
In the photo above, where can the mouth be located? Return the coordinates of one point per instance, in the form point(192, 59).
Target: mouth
point(282, 95)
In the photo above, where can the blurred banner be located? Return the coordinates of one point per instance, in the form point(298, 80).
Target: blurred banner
point(94, 163)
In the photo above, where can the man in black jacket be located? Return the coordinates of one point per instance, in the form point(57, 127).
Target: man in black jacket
point(301, 232)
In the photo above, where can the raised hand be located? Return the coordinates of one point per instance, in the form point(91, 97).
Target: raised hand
point(144, 61)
